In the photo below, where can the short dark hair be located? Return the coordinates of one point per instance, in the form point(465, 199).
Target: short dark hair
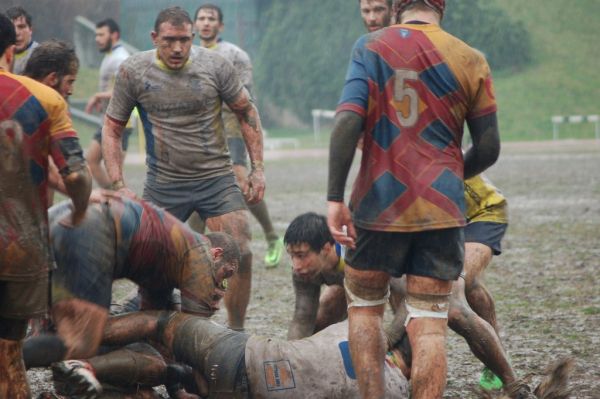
point(111, 24)
point(18, 11)
point(52, 56)
point(210, 6)
point(389, 3)
point(177, 16)
point(310, 228)
point(8, 36)
point(231, 250)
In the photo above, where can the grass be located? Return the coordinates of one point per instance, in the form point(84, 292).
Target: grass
point(563, 79)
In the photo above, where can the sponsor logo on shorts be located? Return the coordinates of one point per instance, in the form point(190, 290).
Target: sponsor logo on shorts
point(279, 375)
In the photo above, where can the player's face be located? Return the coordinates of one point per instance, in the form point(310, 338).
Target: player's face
point(306, 263)
point(23, 33)
point(207, 24)
point(173, 44)
point(375, 14)
point(66, 85)
point(103, 39)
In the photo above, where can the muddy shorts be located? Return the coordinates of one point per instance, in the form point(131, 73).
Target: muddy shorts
point(486, 233)
point(124, 138)
point(85, 257)
point(209, 197)
point(24, 299)
point(434, 253)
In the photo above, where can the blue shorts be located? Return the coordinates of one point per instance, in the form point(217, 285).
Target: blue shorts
point(437, 254)
point(209, 197)
point(486, 233)
point(124, 138)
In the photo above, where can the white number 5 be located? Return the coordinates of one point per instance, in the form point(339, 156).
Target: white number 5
point(401, 90)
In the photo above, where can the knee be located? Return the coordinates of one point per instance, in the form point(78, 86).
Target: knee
point(365, 293)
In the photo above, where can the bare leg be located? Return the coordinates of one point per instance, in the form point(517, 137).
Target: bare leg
point(238, 293)
point(332, 307)
point(481, 337)
point(428, 342)
point(13, 380)
point(477, 257)
point(365, 334)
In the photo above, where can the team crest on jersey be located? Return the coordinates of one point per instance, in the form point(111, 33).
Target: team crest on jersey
point(404, 33)
point(279, 375)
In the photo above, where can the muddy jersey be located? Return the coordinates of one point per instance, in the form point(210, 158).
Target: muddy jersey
point(317, 367)
point(22, 58)
point(241, 61)
point(485, 202)
point(110, 66)
point(33, 119)
point(180, 112)
point(127, 238)
point(415, 85)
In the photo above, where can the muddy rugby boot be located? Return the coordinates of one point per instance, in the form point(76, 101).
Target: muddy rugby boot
point(489, 381)
point(274, 252)
point(75, 379)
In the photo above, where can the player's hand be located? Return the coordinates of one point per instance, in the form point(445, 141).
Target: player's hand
point(93, 104)
point(74, 219)
point(255, 189)
point(340, 224)
point(127, 193)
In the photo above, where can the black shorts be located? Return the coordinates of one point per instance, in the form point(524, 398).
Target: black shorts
point(437, 254)
point(124, 138)
point(24, 299)
point(210, 197)
point(486, 233)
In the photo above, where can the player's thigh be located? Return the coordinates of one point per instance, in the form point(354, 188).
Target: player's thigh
point(437, 254)
point(477, 257)
point(234, 223)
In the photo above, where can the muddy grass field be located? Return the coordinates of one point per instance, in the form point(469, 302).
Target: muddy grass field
point(545, 284)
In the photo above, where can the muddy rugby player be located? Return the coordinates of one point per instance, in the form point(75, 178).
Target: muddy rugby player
point(189, 167)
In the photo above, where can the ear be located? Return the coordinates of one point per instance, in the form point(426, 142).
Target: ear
point(9, 56)
point(154, 36)
point(221, 27)
point(327, 247)
point(50, 80)
point(217, 253)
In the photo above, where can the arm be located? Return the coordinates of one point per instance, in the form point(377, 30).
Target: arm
point(251, 129)
point(95, 102)
point(305, 310)
point(486, 144)
point(344, 138)
point(75, 176)
point(113, 155)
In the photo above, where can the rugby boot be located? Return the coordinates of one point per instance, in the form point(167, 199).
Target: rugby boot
point(75, 379)
point(489, 381)
point(274, 253)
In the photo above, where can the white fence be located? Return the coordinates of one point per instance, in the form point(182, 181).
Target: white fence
point(558, 120)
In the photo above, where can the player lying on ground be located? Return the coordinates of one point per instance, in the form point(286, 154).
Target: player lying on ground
point(225, 363)
point(125, 238)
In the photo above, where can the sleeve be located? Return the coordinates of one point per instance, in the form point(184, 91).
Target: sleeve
point(61, 128)
point(483, 100)
point(355, 95)
point(124, 97)
point(228, 81)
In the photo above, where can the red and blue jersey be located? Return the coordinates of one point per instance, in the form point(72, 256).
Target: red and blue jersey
point(415, 85)
point(34, 118)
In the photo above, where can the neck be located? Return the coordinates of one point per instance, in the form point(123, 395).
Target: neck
point(430, 17)
point(209, 43)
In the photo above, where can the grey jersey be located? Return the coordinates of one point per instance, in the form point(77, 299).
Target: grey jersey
point(317, 367)
point(241, 61)
point(110, 66)
point(22, 58)
point(180, 111)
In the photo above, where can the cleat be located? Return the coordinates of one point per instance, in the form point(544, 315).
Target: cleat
point(490, 381)
point(75, 378)
point(274, 252)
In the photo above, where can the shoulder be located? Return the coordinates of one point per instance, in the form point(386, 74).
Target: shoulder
point(47, 96)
